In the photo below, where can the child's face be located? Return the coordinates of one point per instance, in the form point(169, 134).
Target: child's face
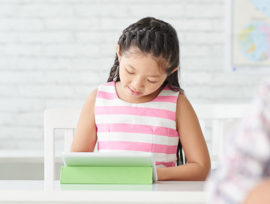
point(140, 75)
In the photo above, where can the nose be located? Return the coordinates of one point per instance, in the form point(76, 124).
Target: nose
point(137, 83)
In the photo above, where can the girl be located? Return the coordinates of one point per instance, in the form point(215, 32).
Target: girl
point(142, 107)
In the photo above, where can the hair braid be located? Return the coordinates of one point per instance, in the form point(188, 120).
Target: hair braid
point(114, 73)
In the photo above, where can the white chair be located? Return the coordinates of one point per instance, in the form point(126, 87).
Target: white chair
point(220, 119)
point(57, 119)
point(216, 114)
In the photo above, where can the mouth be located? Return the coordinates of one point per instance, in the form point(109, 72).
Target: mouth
point(134, 93)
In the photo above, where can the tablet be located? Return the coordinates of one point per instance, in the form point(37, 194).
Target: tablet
point(126, 159)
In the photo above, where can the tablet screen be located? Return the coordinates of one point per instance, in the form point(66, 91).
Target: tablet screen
point(107, 159)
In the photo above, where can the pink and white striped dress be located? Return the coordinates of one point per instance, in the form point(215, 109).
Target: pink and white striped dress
point(137, 127)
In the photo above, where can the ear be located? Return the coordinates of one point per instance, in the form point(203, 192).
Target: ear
point(174, 70)
point(118, 52)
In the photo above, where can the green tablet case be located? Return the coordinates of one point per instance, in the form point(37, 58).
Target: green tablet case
point(106, 175)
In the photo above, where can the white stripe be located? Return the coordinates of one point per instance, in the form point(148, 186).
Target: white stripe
point(117, 102)
point(158, 157)
point(109, 89)
point(135, 119)
point(168, 93)
point(135, 137)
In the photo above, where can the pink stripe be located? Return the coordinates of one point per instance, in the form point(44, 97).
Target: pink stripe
point(134, 128)
point(106, 95)
point(126, 110)
point(111, 96)
point(170, 99)
point(167, 164)
point(136, 146)
point(110, 83)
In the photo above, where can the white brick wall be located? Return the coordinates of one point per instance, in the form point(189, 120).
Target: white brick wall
point(54, 52)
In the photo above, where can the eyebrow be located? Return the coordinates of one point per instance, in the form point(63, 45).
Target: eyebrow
point(148, 76)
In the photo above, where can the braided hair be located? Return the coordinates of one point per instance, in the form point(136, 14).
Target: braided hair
point(158, 38)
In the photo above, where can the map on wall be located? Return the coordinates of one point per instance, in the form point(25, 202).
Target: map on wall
point(250, 29)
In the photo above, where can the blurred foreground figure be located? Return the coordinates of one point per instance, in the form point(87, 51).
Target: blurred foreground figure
point(243, 175)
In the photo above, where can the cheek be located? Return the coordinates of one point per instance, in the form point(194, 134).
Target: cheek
point(156, 86)
point(123, 76)
point(121, 73)
point(153, 87)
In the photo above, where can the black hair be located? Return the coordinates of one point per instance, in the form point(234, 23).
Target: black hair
point(158, 38)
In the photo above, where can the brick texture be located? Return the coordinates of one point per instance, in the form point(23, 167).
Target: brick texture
point(54, 52)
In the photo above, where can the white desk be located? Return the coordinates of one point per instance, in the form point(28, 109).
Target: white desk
point(25, 191)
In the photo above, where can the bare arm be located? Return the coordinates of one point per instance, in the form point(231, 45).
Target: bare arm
point(259, 194)
point(194, 146)
point(86, 135)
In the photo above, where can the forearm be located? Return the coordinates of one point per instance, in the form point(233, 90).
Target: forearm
point(186, 172)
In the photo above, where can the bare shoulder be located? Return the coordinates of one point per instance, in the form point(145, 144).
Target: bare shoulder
point(91, 99)
point(183, 105)
point(185, 114)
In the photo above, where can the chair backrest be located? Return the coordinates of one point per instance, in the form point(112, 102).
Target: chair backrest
point(212, 117)
point(56, 119)
point(216, 121)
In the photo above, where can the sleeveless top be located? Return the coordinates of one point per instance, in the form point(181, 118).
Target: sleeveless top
point(137, 127)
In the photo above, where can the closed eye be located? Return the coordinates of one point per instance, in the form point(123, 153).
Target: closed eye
point(129, 72)
point(153, 82)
